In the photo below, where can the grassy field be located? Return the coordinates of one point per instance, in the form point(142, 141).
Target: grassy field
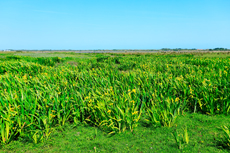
point(56, 102)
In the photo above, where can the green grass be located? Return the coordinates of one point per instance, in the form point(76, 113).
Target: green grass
point(170, 102)
point(205, 135)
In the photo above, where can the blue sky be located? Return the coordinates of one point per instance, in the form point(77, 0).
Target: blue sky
point(120, 24)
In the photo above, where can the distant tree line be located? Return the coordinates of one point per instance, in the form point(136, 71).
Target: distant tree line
point(219, 49)
point(176, 49)
point(180, 49)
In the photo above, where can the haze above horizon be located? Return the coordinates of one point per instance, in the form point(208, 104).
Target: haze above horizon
point(129, 24)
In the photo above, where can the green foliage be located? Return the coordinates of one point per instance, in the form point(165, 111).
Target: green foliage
point(181, 139)
point(203, 131)
point(113, 93)
point(226, 136)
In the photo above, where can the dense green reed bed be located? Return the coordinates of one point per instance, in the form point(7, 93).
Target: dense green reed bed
point(114, 92)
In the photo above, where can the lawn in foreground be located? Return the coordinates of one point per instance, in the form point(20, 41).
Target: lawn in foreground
point(205, 135)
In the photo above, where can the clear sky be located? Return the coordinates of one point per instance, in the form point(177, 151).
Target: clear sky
point(114, 24)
